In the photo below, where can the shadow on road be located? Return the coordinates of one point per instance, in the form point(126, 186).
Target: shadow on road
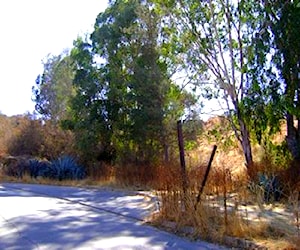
point(46, 223)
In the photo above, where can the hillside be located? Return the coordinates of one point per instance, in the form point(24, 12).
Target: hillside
point(229, 155)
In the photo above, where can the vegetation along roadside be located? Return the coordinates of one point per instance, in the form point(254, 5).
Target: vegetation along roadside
point(107, 113)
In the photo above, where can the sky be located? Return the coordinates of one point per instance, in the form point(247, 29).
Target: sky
point(29, 31)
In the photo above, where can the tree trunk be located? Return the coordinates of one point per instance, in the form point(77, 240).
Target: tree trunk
point(243, 137)
point(182, 159)
point(166, 153)
point(246, 144)
point(292, 137)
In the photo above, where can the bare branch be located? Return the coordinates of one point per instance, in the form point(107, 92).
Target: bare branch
point(221, 52)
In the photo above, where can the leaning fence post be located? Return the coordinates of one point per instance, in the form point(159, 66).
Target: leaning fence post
point(205, 176)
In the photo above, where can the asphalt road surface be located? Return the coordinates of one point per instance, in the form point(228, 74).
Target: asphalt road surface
point(54, 217)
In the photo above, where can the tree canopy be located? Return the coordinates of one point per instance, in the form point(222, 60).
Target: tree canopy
point(54, 88)
point(125, 99)
point(124, 102)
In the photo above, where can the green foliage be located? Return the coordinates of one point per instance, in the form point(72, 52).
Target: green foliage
point(221, 134)
point(273, 73)
point(89, 119)
point(135, 78)
point(53, 89)
point(263, 110)
point(191, 131)
point(284, 20)
point(216, 49)
point(277, 156)
point(125, 102)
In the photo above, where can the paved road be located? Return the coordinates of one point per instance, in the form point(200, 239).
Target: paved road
point(52, 217)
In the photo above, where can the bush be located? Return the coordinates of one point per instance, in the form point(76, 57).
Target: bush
point(271, 187)
point(27, 137)
point(66, 168)
point(39, 168)
point(14, 166)
point(34, 168)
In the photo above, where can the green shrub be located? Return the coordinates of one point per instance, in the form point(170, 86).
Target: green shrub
point(66, 168)
point(39, 168)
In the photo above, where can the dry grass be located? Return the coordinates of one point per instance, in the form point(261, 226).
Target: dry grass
point(227, 207)
point(228, 210)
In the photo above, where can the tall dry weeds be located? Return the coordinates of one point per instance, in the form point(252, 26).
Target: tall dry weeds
point(218, 214)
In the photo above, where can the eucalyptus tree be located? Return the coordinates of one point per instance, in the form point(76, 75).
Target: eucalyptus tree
point(111, 40)
point(214, 40)
point(88, 118)
point(53, 89)
point(274, 93)
point(120, 72)
point(282, 21)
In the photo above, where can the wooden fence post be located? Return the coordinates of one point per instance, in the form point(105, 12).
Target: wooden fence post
point(205, 176)
point(182, 159)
